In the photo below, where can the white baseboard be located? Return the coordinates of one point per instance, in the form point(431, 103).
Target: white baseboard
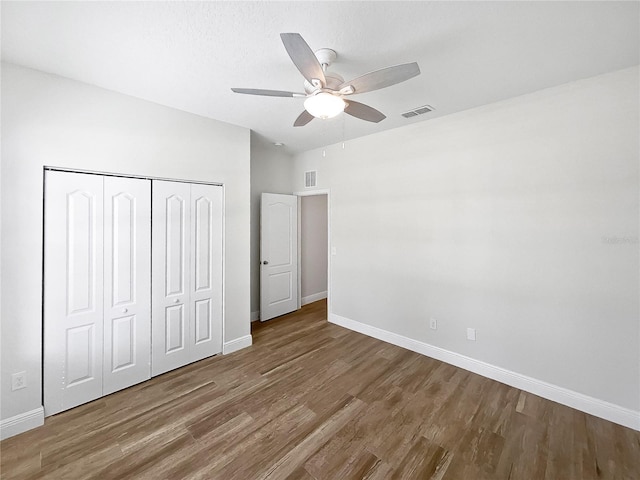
point(21, 423)
point(255, 316)
point(314, 298)
point(237, 344)
point(599, 408)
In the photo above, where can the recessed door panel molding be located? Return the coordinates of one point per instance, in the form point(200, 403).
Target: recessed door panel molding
point(127, 273)
point(206, 271)
point(170, 283)
point(123, 230)
point(202, 243)
point(80, 357)
point(281, 288)
point(203, 321)
point(81, 251)
point(73, 290)
point(123, 343)
point(175, 212)
point(175, 329)
point(280, 249)
point(278, 252)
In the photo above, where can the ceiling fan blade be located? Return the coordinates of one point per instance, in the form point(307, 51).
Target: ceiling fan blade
point(382, 78)
point(303, 57)
point(267, 93)
point(363, 112)
point(304, 118)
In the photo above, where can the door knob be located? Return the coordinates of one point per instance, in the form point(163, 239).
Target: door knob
point(177, 300)
point(265, 263)
point(124, 310)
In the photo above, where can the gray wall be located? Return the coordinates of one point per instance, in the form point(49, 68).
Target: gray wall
point(271, 172)
point(313, 248)
point(48, 120)
point(519, 219)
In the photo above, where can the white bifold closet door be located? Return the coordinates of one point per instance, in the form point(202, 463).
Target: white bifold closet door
point(187, 273)
point(127, 282)
point(96, 287)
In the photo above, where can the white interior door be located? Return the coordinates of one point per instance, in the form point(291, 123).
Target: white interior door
point(171, 275)
point(73, 290)
point(127, 282)
point(205, 300)
point(278, 254)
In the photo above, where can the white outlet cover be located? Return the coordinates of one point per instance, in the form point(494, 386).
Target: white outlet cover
point(433, 324)
point(18, 381)
point(471, 334)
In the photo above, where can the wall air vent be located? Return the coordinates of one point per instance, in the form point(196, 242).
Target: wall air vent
point(418, 111)
point(310, 179)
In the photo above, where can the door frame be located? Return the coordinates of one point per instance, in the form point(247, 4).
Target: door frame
point(308, 193)
point(54, 168)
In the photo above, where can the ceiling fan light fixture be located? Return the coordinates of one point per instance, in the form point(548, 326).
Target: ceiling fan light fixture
point(324, 105)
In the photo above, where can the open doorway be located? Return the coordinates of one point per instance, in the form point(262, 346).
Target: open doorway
point(314, 232)
point(314, 237)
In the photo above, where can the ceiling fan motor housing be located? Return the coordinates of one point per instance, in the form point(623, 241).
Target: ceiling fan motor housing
point(326, 57)
point(333, 82)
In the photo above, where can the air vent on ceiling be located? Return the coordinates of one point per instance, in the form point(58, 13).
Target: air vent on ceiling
point(418, 111)
point(310, 179)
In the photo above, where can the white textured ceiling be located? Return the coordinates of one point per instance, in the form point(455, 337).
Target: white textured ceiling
point(188, 55)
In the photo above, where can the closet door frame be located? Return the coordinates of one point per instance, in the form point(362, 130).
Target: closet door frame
point(50, 168)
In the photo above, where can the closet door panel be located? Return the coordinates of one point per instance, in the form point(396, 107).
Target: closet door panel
point(73, 290)
point(171, 275)
point(206, 268)
point(175, 328)
point(127, 305)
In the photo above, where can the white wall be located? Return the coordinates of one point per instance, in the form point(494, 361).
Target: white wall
point(48, 120)
point(519, 219)
point(271, 172)
point(313, 248)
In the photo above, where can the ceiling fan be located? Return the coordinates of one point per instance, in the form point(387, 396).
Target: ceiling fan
point(326, 92)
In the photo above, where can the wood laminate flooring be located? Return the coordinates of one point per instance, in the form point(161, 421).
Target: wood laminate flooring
point(311, 400)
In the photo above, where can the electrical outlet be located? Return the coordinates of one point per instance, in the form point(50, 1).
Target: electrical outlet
point(471, 334)
point(433, 324)
point(18, 381)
